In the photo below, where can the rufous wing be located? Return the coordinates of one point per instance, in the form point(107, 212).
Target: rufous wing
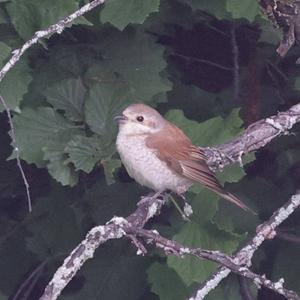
point(178, 151)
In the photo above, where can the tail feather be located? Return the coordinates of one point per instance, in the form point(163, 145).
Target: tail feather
point(232, 198)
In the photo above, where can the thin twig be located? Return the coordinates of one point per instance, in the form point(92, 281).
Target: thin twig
point(17, 54)
point(203, 61)
point(245, 288)
point(236, 67)
point(17, 152)
point(28, 284)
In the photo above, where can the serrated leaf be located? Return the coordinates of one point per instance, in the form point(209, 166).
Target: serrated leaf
point(121, 13)
point(35, 128)
point(68, 95)
point(59, 166)
point(29, 16)
point(166, 283)
point(15, 84)
point(247, 9)
point(137, 67)
point(85, 152)
point(191, 269)
point(214, 131)
point(102, 105)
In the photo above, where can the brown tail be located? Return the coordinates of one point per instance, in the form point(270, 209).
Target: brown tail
point(237, 201)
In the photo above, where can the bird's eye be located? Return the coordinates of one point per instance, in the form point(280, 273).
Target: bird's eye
point(140, 118)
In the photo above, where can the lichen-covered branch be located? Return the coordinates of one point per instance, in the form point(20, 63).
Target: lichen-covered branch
point(234, 264)
point(132, 227)
point(98, 235)
point(265, 231)
point(55, 28)
point(256, 136)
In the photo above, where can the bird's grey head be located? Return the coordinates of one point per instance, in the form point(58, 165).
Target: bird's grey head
point(140, 119)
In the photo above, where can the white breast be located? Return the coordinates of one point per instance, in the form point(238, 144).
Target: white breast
point(143, 165)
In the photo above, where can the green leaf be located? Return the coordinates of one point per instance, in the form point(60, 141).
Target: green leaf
point(35, 128)
point(204, 204)
point(15, 84)
point(166, 283)
point(121, 13)
point(68, 95)
point(191, 269)
point(103, 103)
point(28, 16)
point(247, 9)
point(59, 166)
point(235, 172)
point(214, 131)
point(4, 52)
point(229, 289)
point(269, 34)
point(85, 152)
point(214, 7)
point(137, 67)
point(3, 16)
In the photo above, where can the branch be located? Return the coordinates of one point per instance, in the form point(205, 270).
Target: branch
point(114, 229)
point(256, 136)
point(133, 226)
point(252, 139)
point(234, 264)
point(55, 28)
point(244, 256)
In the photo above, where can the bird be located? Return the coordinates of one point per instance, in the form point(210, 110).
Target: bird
point(159, 155)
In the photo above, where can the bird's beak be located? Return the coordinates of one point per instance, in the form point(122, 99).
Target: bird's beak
point(120, 118)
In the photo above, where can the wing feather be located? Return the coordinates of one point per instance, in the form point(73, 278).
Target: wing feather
point(178, 151)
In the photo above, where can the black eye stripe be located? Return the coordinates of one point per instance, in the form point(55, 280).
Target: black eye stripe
point(140, 118)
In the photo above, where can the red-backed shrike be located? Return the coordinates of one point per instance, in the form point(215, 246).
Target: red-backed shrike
point(158, 154)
